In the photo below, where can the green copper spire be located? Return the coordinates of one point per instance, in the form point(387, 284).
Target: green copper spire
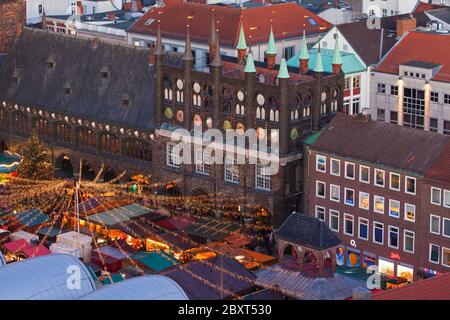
point(304, 55)
point(242, 44)
point(319, 63)
point(250, 65)
point(283, 73)
point(271, 49)
point(337, 58)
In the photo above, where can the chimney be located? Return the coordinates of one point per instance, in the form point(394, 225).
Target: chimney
point(405, 25)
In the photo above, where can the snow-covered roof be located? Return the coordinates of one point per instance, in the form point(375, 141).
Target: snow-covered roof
point(46, 278)
point(152, 287)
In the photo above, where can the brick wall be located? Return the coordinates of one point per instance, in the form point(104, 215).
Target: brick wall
point(12, 20)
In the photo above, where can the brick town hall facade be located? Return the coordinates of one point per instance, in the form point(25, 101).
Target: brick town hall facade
point(113, 105)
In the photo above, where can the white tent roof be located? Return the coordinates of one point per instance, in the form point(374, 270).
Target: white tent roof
point(152, 287)
point(45, 278)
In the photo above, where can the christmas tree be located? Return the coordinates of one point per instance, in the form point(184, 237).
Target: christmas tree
point(35, 160)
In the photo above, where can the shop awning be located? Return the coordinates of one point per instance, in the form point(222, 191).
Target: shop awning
point(139, 229)
point(17, 246)
point(108, 251)
point(176, 241)
point(119, 215)
point(31, 218)
point(215, 230)
point(51, 231)
point(98, 205)
point(38, 251)
point(156, 260)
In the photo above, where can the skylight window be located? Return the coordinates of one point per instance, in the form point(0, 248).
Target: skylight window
point(312, 22)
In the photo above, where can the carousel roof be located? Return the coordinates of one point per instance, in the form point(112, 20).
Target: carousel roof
point(154, 287)
point(44, 278)
point(9, 162)
point(307, 231)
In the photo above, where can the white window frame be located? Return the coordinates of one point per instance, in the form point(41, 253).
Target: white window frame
point(324, 189)
point(360, 195)
point(171, 159)
point(399, 208)
point(230, 169)
point(334, 213)
point(324, 213)
point(389, 237)
point(405, 211)
point(429, 253)
point(202, 165)
point(373, 233)
point(442, 256)
point(354, 173)
point(366, 222)
point(352, 219)
point(339, 193)
point(345, 197)
point(360, 180)
point(446, 192)
point(443, 228)
point(331, 167)
point(262, 177)
point(414, 240)
point(406, 185)
point(375, 201)
point(440, 196)
point(318, 156)
point(431, 224)
point(375, 178)
point(399, 181)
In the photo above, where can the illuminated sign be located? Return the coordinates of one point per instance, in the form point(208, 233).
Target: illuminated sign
point(394, 255)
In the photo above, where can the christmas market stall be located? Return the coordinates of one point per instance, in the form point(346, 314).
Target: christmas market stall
point(50, 233)
point(29, 220)
point(109, 258)
point(206, 229)
point(5, 236)
point(217, 278)
point(13, 250)
point(151, 262)
point(79, 241)
point(31, 238)
point(104, 221)
point(39, 250)
point(9, 163)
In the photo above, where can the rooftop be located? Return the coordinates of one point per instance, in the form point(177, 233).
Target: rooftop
point(426, 47)
point(307, 231)
point(435, 288)
point(289, 21)
point(91, 95)
point(380, 143)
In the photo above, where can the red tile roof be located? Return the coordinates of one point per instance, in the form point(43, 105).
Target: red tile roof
point(436, 288)
point(356, 137)
point(440, 171)
point(423, 47)
point(422, 6)
point(289, 21)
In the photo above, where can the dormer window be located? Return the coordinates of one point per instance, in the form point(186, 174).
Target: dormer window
point(105, 73)
point(126, 101)
point(67, 89)
point(51, 62)
point(15, 77)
